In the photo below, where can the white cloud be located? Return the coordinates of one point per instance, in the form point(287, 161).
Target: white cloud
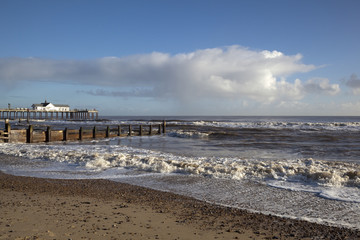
point(229, 73)
point(321, 85)
point(354, 83)
point(350, 108)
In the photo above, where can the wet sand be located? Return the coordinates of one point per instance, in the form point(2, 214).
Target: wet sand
point(34, 208)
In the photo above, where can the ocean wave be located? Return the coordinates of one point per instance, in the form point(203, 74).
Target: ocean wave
point(97, 157)
point(188, 134)
point(347, 126)
point(235, 123)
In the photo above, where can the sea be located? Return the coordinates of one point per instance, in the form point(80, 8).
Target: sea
point(305, 168)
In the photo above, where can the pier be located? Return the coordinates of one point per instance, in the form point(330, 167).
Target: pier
point(28, 114)
point(36, 134)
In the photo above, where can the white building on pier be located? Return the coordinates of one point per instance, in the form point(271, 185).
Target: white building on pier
point(46, 106)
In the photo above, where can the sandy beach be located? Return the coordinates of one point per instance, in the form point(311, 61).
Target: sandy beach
point(35, 208)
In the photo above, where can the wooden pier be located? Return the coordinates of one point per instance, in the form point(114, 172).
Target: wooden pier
point(29, 114)
point(47, 134)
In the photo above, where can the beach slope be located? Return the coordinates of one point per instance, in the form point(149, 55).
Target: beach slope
point(35, 208)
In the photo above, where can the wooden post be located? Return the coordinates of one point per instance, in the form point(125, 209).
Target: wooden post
point(94, 132)
point(159, 131)
point(29, 134)
point(141, 130)
point(7, 130)
point(7, 126)
point(130, 130)
point(48, 134)
point(81, 133)
point(65, 134)
point(107, 132)
point(150, 130)
point(119, 130)
point(164, 126)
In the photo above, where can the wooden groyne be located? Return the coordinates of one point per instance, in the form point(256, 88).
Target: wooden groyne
point(37, 135)
point(28, 114)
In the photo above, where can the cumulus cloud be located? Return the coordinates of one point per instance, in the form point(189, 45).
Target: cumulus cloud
point(131, 93)
point(231, 72)
point(321, 85)
point(354, 83)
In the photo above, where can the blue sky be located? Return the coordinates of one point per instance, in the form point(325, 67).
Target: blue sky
point(183, 57)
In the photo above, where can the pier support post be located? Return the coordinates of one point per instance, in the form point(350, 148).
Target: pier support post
point(29, 134)
point(48, 134)
point(81, 133)
point(94, 132)
point(159, 131)
point(130, 130)
point(65, 134)
point(28, 116)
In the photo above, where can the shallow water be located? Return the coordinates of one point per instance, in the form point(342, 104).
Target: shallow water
point(299, 167)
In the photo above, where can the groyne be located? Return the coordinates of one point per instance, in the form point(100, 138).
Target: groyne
point(33, 134)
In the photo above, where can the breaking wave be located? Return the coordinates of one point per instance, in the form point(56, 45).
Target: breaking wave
point(188, 134)
point(348, 126)
point(278, 173)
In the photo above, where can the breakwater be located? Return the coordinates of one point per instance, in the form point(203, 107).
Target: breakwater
point(34, 134)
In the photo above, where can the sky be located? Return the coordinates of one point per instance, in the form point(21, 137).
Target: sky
point(172, 57)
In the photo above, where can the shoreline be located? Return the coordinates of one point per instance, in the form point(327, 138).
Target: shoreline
point(63, 209)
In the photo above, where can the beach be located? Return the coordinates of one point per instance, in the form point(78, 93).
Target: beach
point(205, 178)
point(37, 208)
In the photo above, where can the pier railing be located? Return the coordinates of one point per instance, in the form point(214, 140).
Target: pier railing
point(48, 134)
point(28, 114)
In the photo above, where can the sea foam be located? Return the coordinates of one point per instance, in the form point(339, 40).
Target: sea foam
point(308, 172)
